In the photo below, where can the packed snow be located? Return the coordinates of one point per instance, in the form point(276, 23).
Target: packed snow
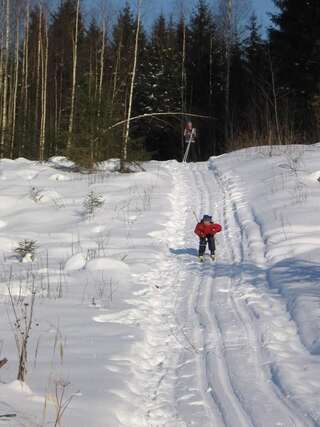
point(130, 326)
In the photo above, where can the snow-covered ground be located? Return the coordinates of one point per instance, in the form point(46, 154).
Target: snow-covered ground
point(129, 325)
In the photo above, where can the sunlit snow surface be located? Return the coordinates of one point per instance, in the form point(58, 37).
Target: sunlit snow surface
point(125, 315)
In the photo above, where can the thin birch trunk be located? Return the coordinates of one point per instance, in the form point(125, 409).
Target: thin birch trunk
point(275, 101)
point(25, 78)
point(44, 80)
point(228, 66)
point(135, 60)
point(74, 77)
point(211, 72)
point(56, 105)
point(38, 76)
point(5, 82)
point(102, 63)
point(115, 77)
point(183, 80)
point(15, 89)
point(100, 87)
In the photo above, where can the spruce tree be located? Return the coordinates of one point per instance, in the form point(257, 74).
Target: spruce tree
point(61, 35)
point(204, 68)
point(256, 79)
point(295, 43)
point(158, 89)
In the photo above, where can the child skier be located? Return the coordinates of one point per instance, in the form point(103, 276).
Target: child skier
point(206, 229)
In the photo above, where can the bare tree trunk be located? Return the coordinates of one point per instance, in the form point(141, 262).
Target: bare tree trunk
point(135, 60)
point(275, 100)
point(115, 77)
point(228, 66)
point(15, 89)
point(5, 82)
point(1, 75)
point(183, 79)
point(56, 108)
point(25, 78)
point(211, 89)
point(38, 78)
point(100, 87)
point(44, 80)
point(74, 76)
point(211, 72)
point(102, 63)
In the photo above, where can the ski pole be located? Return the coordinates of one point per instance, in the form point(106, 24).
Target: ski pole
point(185, 157)
point(195, 215)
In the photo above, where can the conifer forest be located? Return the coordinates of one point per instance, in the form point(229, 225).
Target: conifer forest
point(98, 81)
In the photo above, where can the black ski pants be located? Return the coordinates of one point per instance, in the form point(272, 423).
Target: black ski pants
point(193, 153)
point(203, 244)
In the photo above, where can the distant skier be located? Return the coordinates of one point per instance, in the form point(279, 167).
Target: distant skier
point(190, 135)
point(206, 230)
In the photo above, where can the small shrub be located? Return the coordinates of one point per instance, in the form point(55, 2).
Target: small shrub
point(22, 311)
point(26, 249)
point(36, 194)
point(92, 202)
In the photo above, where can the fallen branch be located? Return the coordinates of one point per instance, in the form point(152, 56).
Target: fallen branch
point(142, 116)
point(8, 415)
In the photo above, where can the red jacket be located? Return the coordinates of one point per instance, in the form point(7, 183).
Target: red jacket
point(203, 230)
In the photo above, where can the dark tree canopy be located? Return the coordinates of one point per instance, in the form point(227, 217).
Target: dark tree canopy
point(190, 64)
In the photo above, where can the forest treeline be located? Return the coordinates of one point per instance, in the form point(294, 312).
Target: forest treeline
point(69, 77)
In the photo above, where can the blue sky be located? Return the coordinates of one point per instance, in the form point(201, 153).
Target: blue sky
point(154, 7)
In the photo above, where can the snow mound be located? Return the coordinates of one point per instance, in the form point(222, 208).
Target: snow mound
point(99, 229)
point(46, 196)
point(59, 177)
point(7, 244)
point(107, 264)
point(111, 165)
point(315, 176)
point(2, 224)
point(28, 174)
point(20, 387)
point(61, 162)
point(7, 202)
point(76, 262)
point(22, 160)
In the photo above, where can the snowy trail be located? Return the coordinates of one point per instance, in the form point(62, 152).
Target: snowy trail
point(151, 337)
point(205, 362)
point(239, 384)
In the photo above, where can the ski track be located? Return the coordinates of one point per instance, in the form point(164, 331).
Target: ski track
point(203, 360)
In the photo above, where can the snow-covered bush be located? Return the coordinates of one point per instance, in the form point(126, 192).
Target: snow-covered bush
point(36, 194)
point(92, 202)
point(26, 250)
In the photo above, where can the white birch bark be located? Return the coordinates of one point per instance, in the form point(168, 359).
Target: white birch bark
point(44, 81)
point(74, 77)
point(5, 79)
point(15, 88)
point(135, 60)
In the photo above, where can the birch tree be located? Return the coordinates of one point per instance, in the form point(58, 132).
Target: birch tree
point(44, 80)
point(74, 76)
point(134, 69)
point(15, 85)
point(25, 76)
point(228, 48)
point(4, 129)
